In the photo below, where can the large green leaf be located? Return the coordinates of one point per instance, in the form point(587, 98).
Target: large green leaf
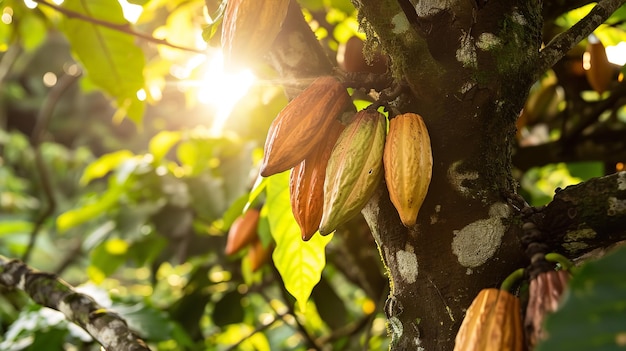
point(593, 311)
point(300, 263)
point(112, 59)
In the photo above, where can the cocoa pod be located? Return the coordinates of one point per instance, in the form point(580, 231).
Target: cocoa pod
point(303, 124)
point(598, 69)
point(354, 169)
point(408, 164)
point(544, 295)
point(243, 231)
point(259, 254)
point(249, 29)
point(491, 323)
point(306, 184)
point(350, 58)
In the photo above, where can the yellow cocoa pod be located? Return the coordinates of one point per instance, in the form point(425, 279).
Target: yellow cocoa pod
point(249, 28)
point(354, 169)
point(408, 165)
point(306, 184)
point(492, 323)
point(598, 69)
point(303, 124)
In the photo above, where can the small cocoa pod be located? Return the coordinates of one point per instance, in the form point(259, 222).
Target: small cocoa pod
point(249, 29)
point(408, 164)
point(544, 295)
point(259, 254)
point(303, 124)
point(243, 231)
point(491, 323)
point(598, 69)
point(306, 184)
point(350, 57)
point(354, 169)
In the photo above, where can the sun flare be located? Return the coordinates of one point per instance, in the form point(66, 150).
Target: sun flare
point(222, 90)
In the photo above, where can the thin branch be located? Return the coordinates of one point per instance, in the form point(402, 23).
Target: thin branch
point(564, 42)
point(46, 289)
point(43, 119)
point(123, 28)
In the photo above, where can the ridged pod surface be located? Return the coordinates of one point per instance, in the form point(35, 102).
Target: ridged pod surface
point(544, 295)
point(491, 323)
point(303, 124)
point(243, 231)
point(249, 28)
point(354, 169)
point(408, 164)
point(598, 69)
point(306, 184)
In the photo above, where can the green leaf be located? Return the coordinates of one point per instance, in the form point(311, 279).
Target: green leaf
point(33, 31)
point(161, 143)
point(77, 216)
point(103, 165)
point(255, 193)
point(228, 310)
point(148, 321)
point(15, 226)
point(299, 263)
point(593, 311)
point(112, 59)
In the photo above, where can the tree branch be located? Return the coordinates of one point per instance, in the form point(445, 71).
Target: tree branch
point(123, 28)
point(586, 216)
point(43, 119)
point(46, 289)
point(564, 42)
point(603, 145)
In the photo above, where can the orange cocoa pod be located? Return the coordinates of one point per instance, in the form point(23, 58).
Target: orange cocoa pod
point(259, 254)
point(306, 184)
point(544, 295)
point(243, 231)
point(249, 28)
point(408, 164)
point(598, 69)
point(303, 124)
point(492, 323)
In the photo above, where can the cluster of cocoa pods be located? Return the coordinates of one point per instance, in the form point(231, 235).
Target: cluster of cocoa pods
point(243, 233)
point(494, 322)
point(335, 167)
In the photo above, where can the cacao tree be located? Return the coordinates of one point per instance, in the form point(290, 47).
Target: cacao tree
point(488, 80)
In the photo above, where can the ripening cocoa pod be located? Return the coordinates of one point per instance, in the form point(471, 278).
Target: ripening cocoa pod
point(491, 323)
point(544, 295)
point(306, 184)
point(243, 231)
point(408, 164)
point(354, 169)
point(350, 57)
point(597, 67)
point(259, 254)
point(249, 29)
point(303, 124)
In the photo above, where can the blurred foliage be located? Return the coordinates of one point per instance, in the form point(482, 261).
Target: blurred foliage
point(143, 208)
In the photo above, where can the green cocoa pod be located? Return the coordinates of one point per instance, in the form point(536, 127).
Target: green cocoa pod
point(354, 169)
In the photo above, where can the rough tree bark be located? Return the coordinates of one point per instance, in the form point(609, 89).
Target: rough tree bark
point(109, 329)
point(469, 65)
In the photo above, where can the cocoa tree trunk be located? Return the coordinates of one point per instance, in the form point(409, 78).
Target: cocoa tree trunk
point(468, 65)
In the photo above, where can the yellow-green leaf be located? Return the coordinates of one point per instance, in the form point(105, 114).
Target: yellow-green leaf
point(105, 164)
point(300, 263)
point(112, 59)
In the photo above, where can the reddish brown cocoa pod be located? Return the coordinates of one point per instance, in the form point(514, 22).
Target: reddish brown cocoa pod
point(259, 254)
point(492, 323)
point(306, 185)
point(249, 29)
point(544, 295)
point(303, 124)
point(597, 67)
point(243, 231)
point(350, 57)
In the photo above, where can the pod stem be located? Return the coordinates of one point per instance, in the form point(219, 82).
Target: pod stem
point(560, 259)
point(509, 281)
